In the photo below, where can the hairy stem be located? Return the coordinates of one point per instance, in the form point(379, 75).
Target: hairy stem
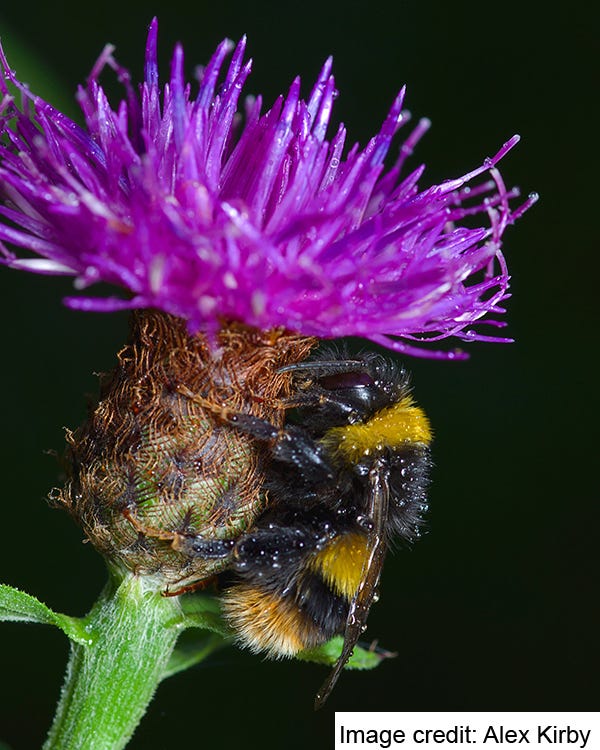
point(111, 680)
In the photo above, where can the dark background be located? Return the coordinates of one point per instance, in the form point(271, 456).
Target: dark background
point(494, 608)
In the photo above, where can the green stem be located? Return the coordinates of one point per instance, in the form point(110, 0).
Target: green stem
point(110, 682)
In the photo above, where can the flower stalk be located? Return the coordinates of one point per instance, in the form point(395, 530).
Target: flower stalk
point(110, 681)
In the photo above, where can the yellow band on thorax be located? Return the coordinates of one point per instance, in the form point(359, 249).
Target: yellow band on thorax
point(400, 424)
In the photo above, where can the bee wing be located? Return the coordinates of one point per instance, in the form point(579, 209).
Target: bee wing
point(362, 600)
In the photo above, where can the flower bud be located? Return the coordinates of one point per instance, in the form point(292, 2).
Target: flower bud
point(155, 466)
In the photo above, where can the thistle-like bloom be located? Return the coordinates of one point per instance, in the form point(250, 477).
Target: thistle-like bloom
point(210, 214)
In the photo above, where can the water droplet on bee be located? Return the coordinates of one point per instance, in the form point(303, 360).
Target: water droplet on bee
point(364, 522)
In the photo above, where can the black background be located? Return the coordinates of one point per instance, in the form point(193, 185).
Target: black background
point(494, 608)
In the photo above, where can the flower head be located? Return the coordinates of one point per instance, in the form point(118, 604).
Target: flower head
point(210, 214)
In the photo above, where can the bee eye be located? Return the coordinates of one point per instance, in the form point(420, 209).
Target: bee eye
point(346, 380)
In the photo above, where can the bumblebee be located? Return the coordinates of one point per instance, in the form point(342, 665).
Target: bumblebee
point(348, 476)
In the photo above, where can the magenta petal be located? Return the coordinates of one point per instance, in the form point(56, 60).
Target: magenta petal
point(193, 208)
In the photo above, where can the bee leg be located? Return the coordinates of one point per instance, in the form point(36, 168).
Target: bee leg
point(198, 586)
point(317, 397)
point(197, 546)
point(291, 445)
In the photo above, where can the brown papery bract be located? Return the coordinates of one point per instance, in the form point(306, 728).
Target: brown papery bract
point(155, 465)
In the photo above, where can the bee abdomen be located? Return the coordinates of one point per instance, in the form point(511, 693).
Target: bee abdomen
point(288, 602)
point(265, 621)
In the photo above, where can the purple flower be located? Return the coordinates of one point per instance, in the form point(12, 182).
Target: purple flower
point(209, 213)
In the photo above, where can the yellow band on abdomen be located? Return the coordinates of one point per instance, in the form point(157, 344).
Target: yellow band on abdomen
point(341, 563)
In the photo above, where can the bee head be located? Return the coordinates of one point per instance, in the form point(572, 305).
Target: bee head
point(334, 392)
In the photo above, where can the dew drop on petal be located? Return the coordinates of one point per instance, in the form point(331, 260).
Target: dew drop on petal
point(229, 280)
point(259, 303)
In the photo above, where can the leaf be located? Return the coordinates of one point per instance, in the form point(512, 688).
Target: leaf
point(199, 612)
point(191, 649)
point(204, 612)
point(17, 606)
point(362, 658)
